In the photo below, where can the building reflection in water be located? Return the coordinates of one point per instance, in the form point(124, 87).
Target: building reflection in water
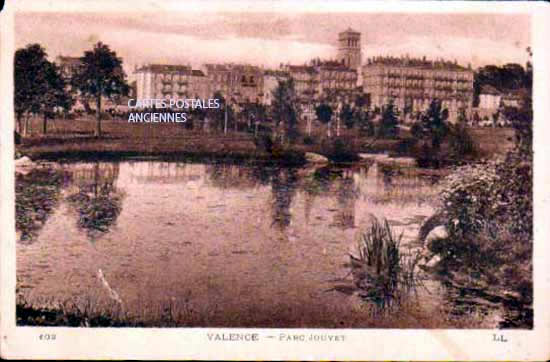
point(346, 194)
point(284, 183)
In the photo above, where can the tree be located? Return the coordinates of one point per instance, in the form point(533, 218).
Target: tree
point(462, 119)
point(324, 114)
point(506, 78)
point(433, 124)
point(389, 124)
point(100, 75)
point(253, 114)
point(218, 114)
point(366, 127)
point(29, 82)
point(347, 115)
point(56, 94)
point(522, 122)
point(285, 107)
point(39, 86)
point(477, 119)
point(362, 101)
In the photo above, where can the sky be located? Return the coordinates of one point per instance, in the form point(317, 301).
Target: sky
point(269, 39)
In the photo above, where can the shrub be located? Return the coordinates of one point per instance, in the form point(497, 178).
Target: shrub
point(428, 158)
point(497, 191)
point(341, 151)
point(406, 146)
point(490, 223)
point(264, 143)
point(308, 140)
point(416, 130)
point(461, 143)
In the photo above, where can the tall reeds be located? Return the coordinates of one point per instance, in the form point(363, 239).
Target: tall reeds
point(384, 275)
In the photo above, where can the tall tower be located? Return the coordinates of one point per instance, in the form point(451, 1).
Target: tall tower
point(349, 49)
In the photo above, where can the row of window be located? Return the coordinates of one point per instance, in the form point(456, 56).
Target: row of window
point(227, 77)
point(461, 76)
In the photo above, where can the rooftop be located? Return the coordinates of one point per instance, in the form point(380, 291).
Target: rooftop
point(349, 31)
point(301, 68)
point(226, 67)
point(489, 89)
point(406, 61)
point(165, 68)
point(197, 73)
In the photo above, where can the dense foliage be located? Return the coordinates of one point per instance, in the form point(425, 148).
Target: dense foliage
point(388, 127)
point(39, 86)
point(490, 222)
point(506, 78)
point(100, 75)
point(285, 109)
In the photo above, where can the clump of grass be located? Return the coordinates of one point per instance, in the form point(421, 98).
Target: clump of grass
point(92, 312)
point(71, 315)
point(384, 275)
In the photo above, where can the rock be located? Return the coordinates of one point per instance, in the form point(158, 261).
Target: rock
point(23, 165)
point(385, 159)
point(23, 161)
point(373, 156)
point(433, 261)
point(433, 222)
point(439, 232)
point(315, 158)
point(400, 161)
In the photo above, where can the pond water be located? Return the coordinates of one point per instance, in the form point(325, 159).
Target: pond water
point(218, 244)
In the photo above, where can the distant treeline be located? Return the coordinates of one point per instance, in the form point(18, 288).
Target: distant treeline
point(507, 78)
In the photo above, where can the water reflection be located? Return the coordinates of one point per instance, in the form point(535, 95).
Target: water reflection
point(346, 195)
point(37, 196)
point(284, 183)
point(170, 227)
point(95, 198)
point(226, 176)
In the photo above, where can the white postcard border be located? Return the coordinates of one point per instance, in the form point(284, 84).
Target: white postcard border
point(360, 344)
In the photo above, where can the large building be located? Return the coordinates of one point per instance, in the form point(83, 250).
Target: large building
point(322, 79)
point(157, 81)
point(413, 83)
point(306, 80)
point(410, 83)
point(240, 82)
point(336, 78)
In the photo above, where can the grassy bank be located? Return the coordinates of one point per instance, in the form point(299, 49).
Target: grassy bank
point(176, 314)
point(74, 140)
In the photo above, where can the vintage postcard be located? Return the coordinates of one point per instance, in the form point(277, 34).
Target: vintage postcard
point(275, 180)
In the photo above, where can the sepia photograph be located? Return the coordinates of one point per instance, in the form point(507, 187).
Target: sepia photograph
point(318, 171)
point(329, 170)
